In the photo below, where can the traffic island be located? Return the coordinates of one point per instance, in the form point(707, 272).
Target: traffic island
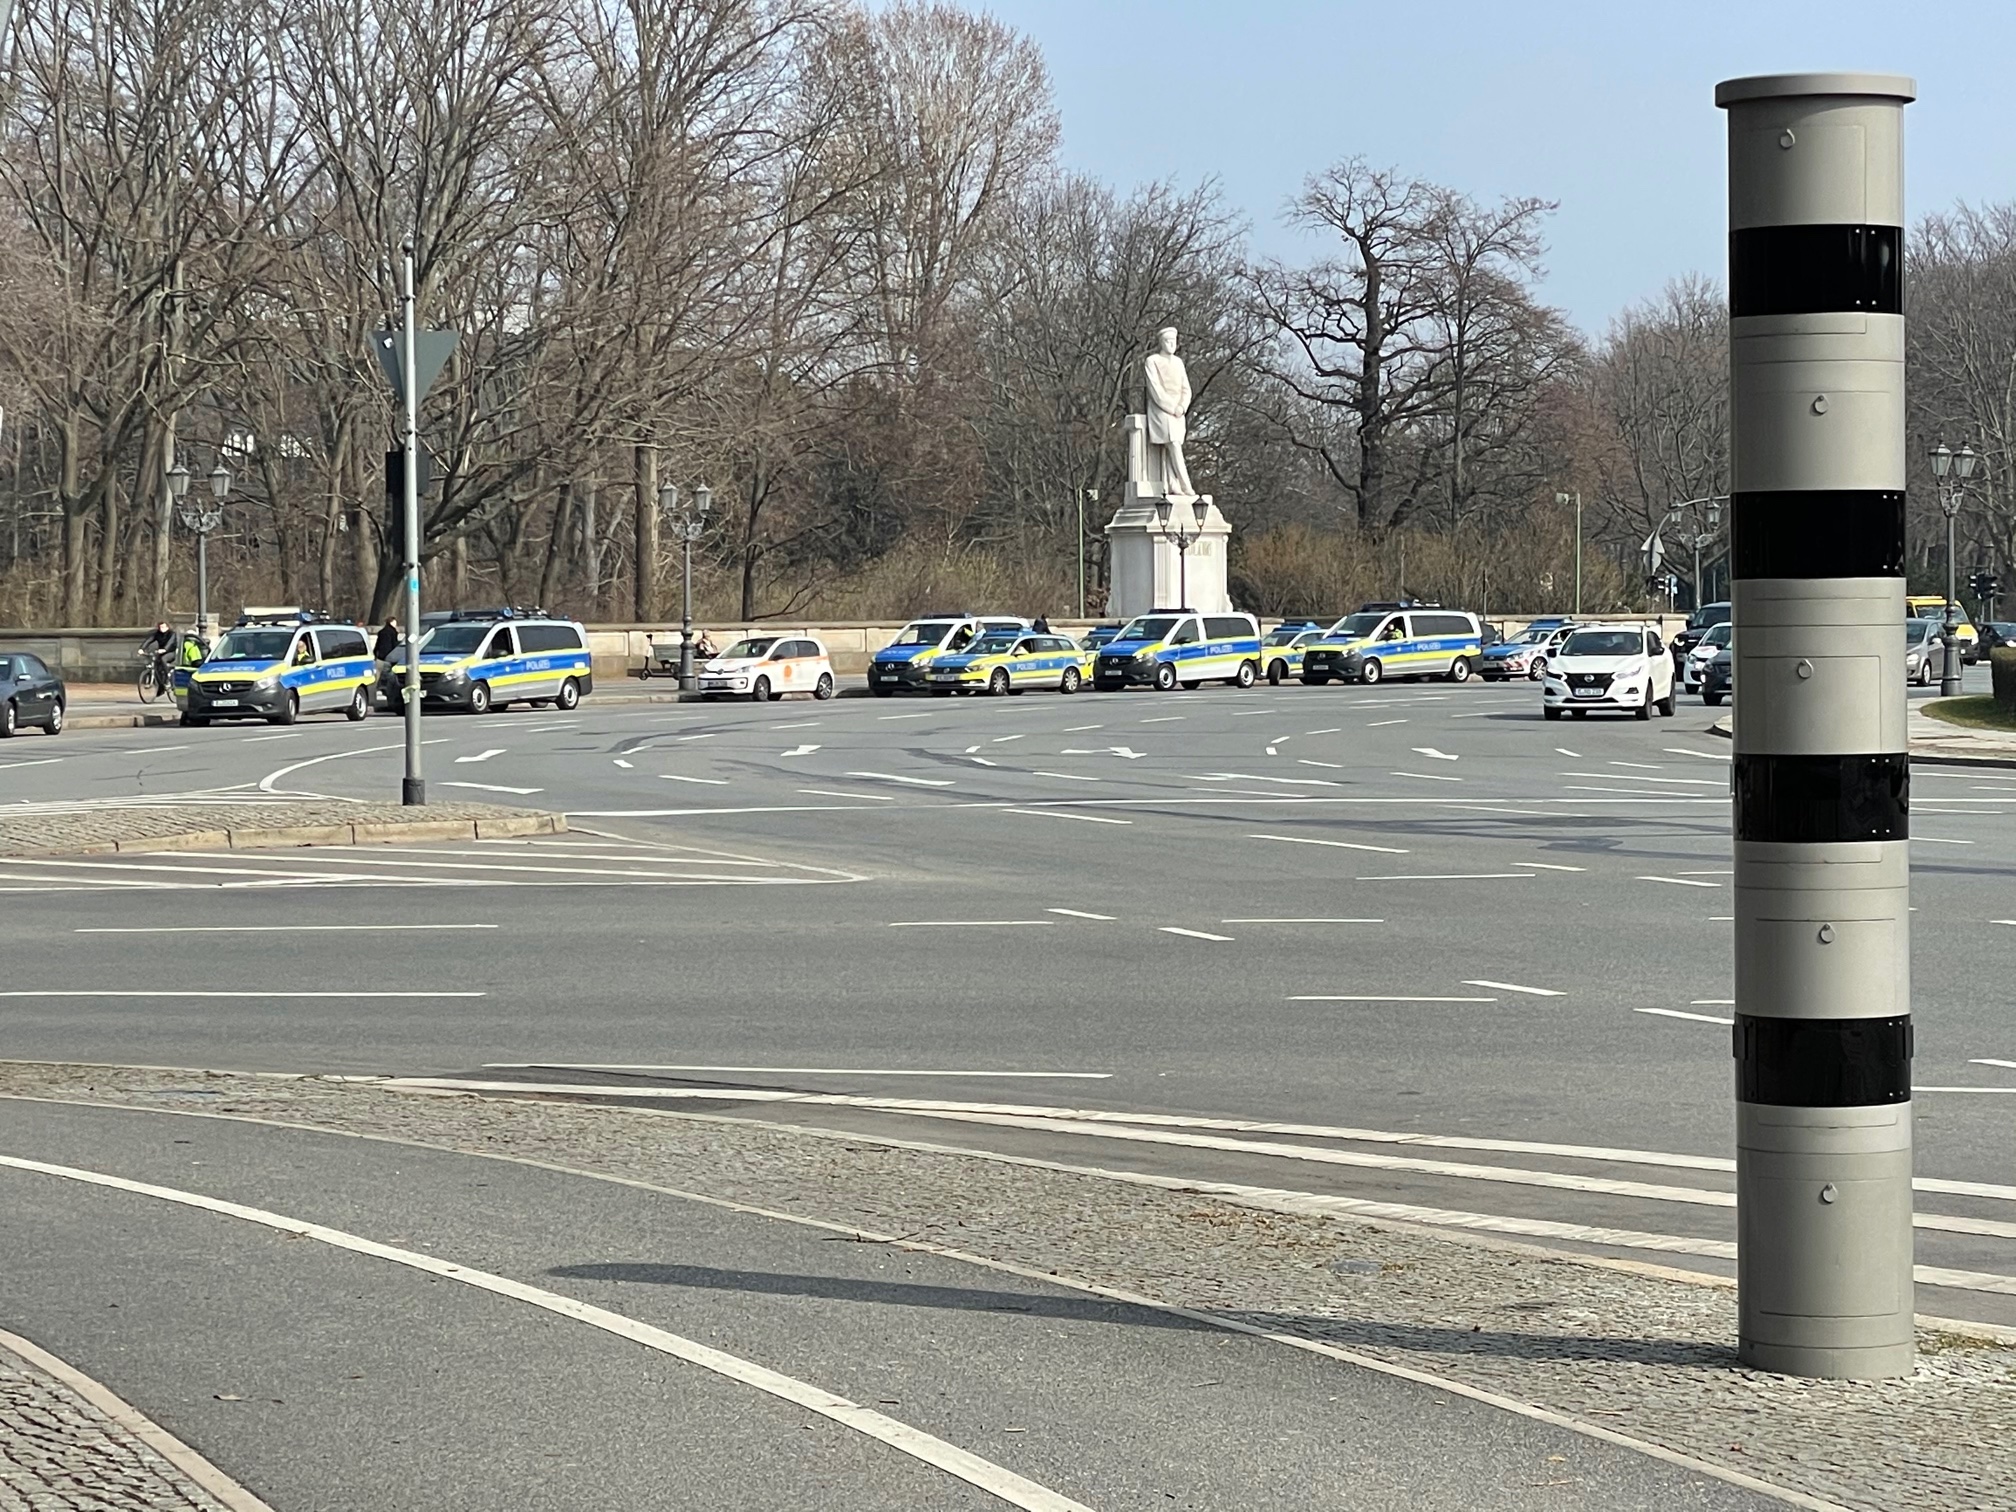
point(250, 823)
point(1626, 1352)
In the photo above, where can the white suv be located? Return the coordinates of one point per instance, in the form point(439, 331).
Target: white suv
point(1617, 667)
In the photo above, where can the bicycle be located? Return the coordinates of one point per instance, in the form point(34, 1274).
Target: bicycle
point(154, 677)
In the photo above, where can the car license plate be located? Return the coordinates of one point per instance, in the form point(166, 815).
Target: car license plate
point(1590, 692)
point(223, 703)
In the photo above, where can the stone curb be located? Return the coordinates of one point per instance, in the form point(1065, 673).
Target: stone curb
point(323, 834)
point(146, 719)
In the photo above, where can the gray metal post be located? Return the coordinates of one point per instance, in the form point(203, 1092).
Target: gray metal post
point(202, 581)
point(1578, 554)
point(1821, 777)
point(413, 790)
point(686, 682)
point(1949, 668)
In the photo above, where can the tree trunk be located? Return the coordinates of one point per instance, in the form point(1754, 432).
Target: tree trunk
point(108, 553)
point(644, 528)
point(556, 540)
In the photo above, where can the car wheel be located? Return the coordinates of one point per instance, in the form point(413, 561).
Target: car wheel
point(569, 696)
point(290, 712)
point(360, 706)
point(479, 698)
point(1371, 672)
point(1165, 677)
point(10, 719)
point(1277, 672)
point(761, 692)
point(1248, 675)
point(1459, 669)
point(997, 683)
point(1073, 680)
point(823, 690)
point(1644, 710)
point(1550, 713)
point(1666, 707)
point(1538, 670)
point(55, 724)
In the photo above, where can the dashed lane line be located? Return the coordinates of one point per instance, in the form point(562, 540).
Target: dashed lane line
point(997, 1481)
point(1675, 1013)
point(1683, 751)
point(139, 992)
point(1553, 866)
point(803, 1070)
point(930, 782)
point(676, 777)
point(1382, 723)
point(1195, 934)
point(479, 756)
point(1680, 881)
point(1388, 850)
point(832, 793)
point(1545, 992)
point(1450, 877)
point(1064, 776)
point(969, 923)
point(1426, 776)
point(1301, 921)
point(1385, 997)
point(234, 929)
point(1435, 755)
point(12, 766)
point(1065, 814)
point(1079, 913)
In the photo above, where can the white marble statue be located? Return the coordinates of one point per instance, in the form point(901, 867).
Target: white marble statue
point(1168, 402)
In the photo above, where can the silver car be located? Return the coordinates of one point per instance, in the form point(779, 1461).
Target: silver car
point(1922, 651)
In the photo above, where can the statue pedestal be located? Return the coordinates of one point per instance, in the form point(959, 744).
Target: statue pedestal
point(1145, 569)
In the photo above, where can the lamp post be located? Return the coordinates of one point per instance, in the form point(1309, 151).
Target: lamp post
point(687, 522)
point(201, 521)
point(1562, 500)
point(1712, 520)
point(1960, 464)
point(1083, 495)
point(1183, 537)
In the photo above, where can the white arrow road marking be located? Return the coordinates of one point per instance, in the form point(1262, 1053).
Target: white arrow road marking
point(1515, 987)
point(913, 781)
point(962, 1464)
point(1437, 755)
point(803, 750)
point(1127, 753)
point(491, 787)
point(482, 756)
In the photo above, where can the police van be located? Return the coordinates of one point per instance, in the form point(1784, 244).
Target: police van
point(491, 659)
point(903, 663)
point(278, 664)
point(1375, 644)
point(1167, 647)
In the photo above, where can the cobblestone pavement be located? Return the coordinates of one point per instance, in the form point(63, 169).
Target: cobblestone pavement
point(1627, 1349)
point(225, 821)
point(59, 1453)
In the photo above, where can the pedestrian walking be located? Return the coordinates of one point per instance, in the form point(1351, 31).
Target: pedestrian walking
point(387, 641)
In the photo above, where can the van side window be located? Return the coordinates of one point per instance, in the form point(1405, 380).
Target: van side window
point(1394, 629)
point(1186, 634)
point(1226, 627)
point(501, 644)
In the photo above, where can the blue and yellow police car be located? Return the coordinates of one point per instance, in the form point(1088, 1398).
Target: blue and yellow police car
point(276, 665)
point(902, 664)
point(1010, 661)
point(1375, 644)
point(493, 659)
point(1167, 647)
point(1282, 650)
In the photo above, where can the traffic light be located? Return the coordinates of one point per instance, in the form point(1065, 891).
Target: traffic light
point(1984, 584)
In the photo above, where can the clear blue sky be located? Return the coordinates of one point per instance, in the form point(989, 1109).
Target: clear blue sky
point(1605, 107)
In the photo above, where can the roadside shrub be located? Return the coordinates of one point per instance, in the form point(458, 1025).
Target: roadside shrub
point(2002, 665)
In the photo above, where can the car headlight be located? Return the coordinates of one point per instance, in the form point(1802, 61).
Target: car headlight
point(455, 675)
point(1144, 656)
point(267, 683)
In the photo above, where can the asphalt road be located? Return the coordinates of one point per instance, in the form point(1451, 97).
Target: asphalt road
point(1459, 960)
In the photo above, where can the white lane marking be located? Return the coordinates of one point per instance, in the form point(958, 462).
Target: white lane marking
point(902, 716)
point(481, 756)
point(1063, 814)
point(2005, 1064)
point(1064, 776)
point(800, 1071)
point(796, 724)
point(266, 783)
point(151, 750)
point(970, 750)
point(121, 992)
point(704, 735)
point(1486, 715)
point(1430, 751)
point(1564, 751)
point(800, 750)
point(1449, 877)
point(1720, 871)
point(983, 761)
point(1301, 921)
point(40, 761)
point(1079, 913)
point(1331, 730)
point(1283, 739)
point(1552, 866)
point(1004, 739)
point(1335, 766)
point(1081, 729)
point(1164, 719)
point(1699, 1018)
point(676, 777)
point(1515, 987)
point(1680, 881)
point(1630, 794)
point(1387, 997)
point(493, 787)
point(1713, 1003)
point(1059, 813)
point(1426, 776)
point(962, 1464)
point(1707, 782)
point(1963, 1089)
point(1683, 751)
point(263, 928)
point(1379, 723)
point(831, 793)
point(967, 923)
point(935, 782)
point(1273, 751)
point(1648, 766)
point(1937, 840)
point(1195, 934)
point(1339, 844)
point(626, 765)
point(288, 735)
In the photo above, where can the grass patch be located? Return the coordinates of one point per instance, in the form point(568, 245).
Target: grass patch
point(1979, 712)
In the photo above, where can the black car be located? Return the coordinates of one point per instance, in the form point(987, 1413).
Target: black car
point(1997, 633)
point(1718, 678)
point(1699, 623)
point(30, 694)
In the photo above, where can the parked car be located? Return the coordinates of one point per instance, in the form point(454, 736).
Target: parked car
point(1713, 639)
point(1622, 668)
point(1718, 677)
point(1924, 652)
point(1098, 635)
point(30, 694)
point(1933, 607)
point(1997, 633)
point(1698, 625)
point(1525, 654)
point(763, 667)
point(1281, 650)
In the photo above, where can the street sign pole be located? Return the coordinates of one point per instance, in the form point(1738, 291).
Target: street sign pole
point(1820, 770)
point(413, 791)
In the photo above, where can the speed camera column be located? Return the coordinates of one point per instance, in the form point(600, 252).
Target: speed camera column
point(1821, 775)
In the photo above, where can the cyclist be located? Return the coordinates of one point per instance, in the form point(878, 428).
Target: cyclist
point(163, 644)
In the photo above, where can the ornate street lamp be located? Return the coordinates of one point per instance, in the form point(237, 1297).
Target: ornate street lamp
point(1952, 493)
point(687, 522)
point(1182, 537)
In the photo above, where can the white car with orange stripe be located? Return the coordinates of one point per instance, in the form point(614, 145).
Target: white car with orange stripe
point(763, 667)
